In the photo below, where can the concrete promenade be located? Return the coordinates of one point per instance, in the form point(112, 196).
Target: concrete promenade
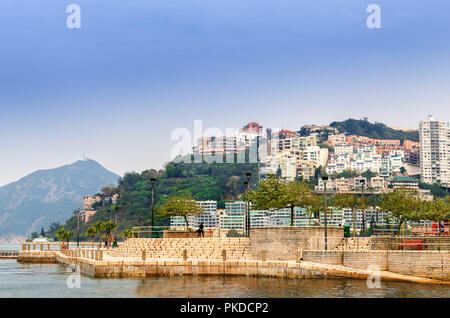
point(132, 267)
point(287, 252)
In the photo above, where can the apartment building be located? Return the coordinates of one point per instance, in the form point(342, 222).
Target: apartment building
point(338, 139)
point(404, 182)
point(210, 146)
point(209, 217)
point(293, 143)
point(306, 169)
point(343, 149)
point(382, 146)
point(89, 200)
point(434, 151)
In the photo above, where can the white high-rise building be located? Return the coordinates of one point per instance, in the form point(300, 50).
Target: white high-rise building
point(209, 217)
point(434, 151)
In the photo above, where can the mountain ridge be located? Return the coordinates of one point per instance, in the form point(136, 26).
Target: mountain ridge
point(49, 195)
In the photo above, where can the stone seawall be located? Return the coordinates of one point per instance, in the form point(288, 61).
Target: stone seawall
point(283, 243)
point(280, 269)
point(37, 257)
point(429, 264)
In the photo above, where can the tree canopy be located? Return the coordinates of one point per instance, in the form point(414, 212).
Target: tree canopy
point(180, 206)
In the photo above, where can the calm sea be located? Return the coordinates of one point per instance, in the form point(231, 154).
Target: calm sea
point(49, 280)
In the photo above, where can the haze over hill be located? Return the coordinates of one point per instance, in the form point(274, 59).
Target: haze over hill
point(46, 196)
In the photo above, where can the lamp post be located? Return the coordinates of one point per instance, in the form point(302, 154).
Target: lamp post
point(325, 179)
point(153, 180)
point(115, 218)
point(363, 182)
point(78, 227)
point(248, 175)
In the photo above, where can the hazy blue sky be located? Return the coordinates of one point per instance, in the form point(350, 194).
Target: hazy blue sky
point(137, 69)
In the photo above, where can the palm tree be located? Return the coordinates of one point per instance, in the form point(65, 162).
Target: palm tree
point(67, 236)
point(91, 231)
point(109, 227)
point(98, 226)
point(61, 235)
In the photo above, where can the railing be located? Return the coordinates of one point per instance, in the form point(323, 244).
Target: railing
point(90, 253)
point(9, 253)
point(55, 246)
point(164, 231)
point(148, 231)
point(405, 243)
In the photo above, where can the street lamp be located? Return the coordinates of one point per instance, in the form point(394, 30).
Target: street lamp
point(363, 182)
point(153, 180)
point(325, 179)
point(78, 227)
point(247, 183)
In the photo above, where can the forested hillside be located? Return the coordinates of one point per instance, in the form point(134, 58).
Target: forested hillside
point(362, 127)
point(203, 181)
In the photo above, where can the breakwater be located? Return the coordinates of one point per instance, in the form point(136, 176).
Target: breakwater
point(252, 268)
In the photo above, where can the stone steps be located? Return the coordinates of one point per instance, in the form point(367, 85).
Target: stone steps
point(197, 248)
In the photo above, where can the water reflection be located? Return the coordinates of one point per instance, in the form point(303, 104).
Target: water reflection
point(49, 280)
point(205, 286)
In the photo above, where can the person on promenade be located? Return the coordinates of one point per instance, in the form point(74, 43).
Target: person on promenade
point(200, 231)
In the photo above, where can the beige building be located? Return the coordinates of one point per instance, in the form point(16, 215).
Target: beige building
point(89, 200)
point(337, 139)
point(305, 169)
point(86, 215)
point(342, 185)
point(378, 183)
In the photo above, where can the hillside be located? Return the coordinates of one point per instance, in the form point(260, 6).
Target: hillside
point(362, 127)
point(203, 181)
point(48, 196)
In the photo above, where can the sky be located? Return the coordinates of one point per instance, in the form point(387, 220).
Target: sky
point(136, 70)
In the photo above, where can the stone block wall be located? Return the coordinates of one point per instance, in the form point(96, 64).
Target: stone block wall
point(363, 259)
point(283, 243)
point(36, 257)
point(427, 264)
point(324, 257)
point(432, 264)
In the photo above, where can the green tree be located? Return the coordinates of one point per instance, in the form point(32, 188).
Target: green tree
point(317, 205)
point(274, 193)
point(61, 235)
point(127, 233)
point(91, 231)
point(99, 228)
point(234, 233)
point(350, 201)
point(108, 228)
point(67, 236)
point(437, 210)
point(347, 174)
point(180, 206)
point(403, 204)
point(368, 174)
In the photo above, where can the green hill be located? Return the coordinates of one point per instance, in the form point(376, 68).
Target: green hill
point(220, 182)
point(362, 127)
